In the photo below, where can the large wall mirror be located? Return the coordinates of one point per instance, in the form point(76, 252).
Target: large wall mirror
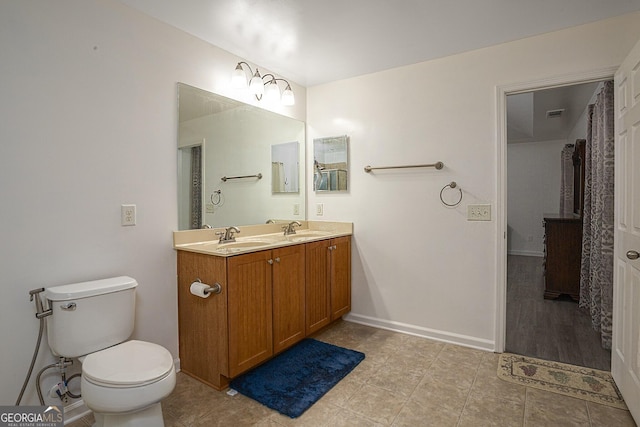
point(218, 138)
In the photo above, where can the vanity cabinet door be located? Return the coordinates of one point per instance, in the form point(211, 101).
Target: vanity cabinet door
point(340, 276)
point(288, 296)
point(250, 317)
point(318, 290)
point(328, 281)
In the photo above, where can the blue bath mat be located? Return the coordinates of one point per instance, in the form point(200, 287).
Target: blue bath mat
point(293, 381)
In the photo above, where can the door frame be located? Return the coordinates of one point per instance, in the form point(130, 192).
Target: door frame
point(501, 180)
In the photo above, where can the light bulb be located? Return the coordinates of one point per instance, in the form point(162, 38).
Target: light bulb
point(239, 78)
point(287, 96)
point(272, 93)
point(256, 86)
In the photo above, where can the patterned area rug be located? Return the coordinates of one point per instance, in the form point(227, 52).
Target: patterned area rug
point(575, 381)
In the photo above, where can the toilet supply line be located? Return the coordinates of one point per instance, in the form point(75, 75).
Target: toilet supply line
point(62, 364)
point(41, 313)
point(34, 295)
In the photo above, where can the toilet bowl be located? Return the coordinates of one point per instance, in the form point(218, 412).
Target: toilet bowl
point(122, 382)
point(127, 377)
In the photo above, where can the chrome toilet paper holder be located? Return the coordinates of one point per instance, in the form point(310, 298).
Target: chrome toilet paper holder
point(215, 289)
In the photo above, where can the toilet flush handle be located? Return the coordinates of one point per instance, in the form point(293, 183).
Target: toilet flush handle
point(70, 306)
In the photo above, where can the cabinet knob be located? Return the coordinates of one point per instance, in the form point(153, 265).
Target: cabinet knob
point(278, 259)
point(633, 255)
point(270, 261)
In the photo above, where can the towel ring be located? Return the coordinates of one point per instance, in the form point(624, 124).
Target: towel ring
point(452, 184)
point(216, 197)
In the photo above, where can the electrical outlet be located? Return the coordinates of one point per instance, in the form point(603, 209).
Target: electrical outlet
point(128, 215)
point(296, 208)
point(478, 212)
point(319, 209)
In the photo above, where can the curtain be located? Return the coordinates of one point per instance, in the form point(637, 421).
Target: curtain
point(277, 177)
point(566, 183)
point(596, 275)
point(196, 187)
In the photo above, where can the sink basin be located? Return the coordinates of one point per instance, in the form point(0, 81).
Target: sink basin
point(232, 247)
point(303, 235)
point(245, 244)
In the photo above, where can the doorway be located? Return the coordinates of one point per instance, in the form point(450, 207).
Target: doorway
point(531, 325)
point(191, 181)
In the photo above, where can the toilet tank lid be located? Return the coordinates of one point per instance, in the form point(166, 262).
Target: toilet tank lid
point(90, 288)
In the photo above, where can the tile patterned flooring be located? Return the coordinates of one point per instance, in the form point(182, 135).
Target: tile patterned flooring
point(403, 381)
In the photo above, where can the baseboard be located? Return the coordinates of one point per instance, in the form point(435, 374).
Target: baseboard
point(526, 253)
point(448, 337)
point(75, 411)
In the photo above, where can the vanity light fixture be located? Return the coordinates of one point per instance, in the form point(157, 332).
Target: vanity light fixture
point(260, 86)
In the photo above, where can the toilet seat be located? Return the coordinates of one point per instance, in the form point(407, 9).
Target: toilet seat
point(130, 364)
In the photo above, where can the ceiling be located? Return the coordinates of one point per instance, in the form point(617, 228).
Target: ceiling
point(527, 119)
point(312, 42)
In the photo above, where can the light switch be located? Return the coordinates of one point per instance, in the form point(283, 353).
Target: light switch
point(478, 212)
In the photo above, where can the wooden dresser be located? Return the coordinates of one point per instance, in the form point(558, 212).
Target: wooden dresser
point(563, 247)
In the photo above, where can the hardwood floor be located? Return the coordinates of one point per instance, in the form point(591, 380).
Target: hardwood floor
point(547, 329)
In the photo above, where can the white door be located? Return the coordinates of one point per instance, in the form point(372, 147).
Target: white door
point(625, 355)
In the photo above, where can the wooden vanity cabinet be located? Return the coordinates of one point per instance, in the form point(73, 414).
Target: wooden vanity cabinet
point(269, 301)
point(328, 277)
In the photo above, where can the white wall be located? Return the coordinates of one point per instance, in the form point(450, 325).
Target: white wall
point(89, 120)
point(418, 265)
point(533, 176)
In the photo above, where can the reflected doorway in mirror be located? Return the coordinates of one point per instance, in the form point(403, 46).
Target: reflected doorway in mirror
point(285, 168)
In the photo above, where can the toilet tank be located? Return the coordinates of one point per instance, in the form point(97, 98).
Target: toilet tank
point(90, 316)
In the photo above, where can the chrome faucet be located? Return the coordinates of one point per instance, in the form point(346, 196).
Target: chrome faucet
point(288, 229)
point(227, 236)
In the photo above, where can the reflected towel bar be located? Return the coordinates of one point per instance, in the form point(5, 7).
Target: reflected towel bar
point(437, 165)
point(225, 178)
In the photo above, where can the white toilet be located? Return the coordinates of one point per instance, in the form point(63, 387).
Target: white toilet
point(122, 381)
